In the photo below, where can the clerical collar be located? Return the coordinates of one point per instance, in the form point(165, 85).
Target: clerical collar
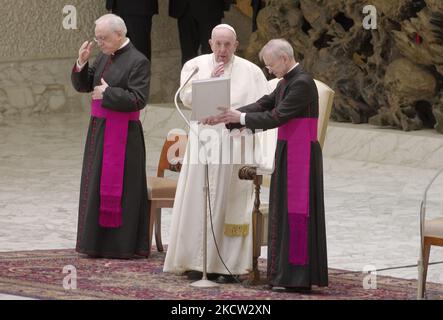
point(291, 71)
point(122, 46)
point(295, 66)
point(126, 43)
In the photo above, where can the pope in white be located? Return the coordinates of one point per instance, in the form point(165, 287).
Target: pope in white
point(231, 198)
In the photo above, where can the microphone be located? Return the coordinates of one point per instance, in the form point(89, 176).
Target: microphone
point(194, 72)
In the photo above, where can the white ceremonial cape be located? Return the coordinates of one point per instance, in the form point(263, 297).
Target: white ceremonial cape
point(229, 195)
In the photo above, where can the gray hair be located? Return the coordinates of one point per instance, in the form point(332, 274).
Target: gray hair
point(114, 22)
point(278, 48)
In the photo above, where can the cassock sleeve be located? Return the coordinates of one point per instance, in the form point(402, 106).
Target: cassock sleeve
point(134, 97)
point(83, 80)
point(294, 104)
point(263, 104)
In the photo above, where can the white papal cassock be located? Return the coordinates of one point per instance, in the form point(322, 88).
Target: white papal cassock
point(231, 198)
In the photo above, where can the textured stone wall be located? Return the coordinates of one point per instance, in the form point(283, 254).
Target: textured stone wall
point(37, 54)
point(391, 76)
point(32, 29)
point(37, 86)
point(166, 59)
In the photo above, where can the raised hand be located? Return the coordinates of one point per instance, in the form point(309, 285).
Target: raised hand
point(84, 53)
point(219, 69)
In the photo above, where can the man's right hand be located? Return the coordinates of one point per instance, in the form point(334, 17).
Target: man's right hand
point(212, 120)
point(219, 69)
point(85, 52)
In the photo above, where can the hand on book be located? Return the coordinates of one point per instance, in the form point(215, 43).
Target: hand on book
point(228, 115)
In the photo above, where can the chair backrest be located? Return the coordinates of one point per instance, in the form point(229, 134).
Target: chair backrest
point(173, 149)
point(273, 84)
point(325, 101)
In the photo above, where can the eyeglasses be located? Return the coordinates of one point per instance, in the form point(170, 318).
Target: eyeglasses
point(275, 63)
point(99, 40)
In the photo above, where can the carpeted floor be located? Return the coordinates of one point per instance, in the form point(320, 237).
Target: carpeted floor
point(39, 274)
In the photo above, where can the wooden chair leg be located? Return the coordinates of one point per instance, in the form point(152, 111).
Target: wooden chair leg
point(152, 217)
point(257, 240)
point(158, 230)
point(257, 227)
point(426, 252)
point(250, 173)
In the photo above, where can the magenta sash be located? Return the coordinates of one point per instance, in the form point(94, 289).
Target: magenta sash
point(298, 134)
point(113, 162)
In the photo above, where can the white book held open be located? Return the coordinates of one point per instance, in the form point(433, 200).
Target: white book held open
point(208, 95)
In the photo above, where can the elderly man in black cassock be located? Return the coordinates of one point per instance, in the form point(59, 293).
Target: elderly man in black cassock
point(113, 220)
point(297, 256)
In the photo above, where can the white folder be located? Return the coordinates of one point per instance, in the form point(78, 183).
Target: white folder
point(208, 95)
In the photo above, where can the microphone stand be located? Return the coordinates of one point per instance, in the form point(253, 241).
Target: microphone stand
point(204, 282)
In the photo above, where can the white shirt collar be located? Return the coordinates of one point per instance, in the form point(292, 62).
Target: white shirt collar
point(124, 43)
point(295, 66)
point(122, 46)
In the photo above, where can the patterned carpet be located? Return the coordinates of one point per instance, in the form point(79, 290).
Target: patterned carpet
point(39, 274)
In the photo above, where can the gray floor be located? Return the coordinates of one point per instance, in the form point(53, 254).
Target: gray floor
point(374, 180)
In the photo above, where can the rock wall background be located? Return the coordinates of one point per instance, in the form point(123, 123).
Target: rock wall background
point(37, 54)
point(390, 76)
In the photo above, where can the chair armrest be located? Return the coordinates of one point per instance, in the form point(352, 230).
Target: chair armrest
point(175, 167)
point(250, 173)
point(247, 173)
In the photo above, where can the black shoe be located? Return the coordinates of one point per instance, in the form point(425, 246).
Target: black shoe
point(227, 278)
point(197, 275)
point(303, 290)
point(194, 275)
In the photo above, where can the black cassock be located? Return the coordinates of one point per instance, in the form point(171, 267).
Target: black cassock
point(127, 74)
point(295, 98)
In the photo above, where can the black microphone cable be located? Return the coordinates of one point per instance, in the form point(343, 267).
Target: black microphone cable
point(388, 268)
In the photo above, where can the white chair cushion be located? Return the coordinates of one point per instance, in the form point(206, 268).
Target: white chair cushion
point(325, 99)
point(161, 188)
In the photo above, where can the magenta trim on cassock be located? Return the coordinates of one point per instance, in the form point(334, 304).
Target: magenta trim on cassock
point(298, 134)
point(113, 162)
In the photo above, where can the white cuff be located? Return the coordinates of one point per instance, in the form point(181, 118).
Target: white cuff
point(243, 119)
point(80, 66)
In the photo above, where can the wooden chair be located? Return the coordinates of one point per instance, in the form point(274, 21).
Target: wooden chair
point(431, 234)
point(259, 223)
point(161, 190)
